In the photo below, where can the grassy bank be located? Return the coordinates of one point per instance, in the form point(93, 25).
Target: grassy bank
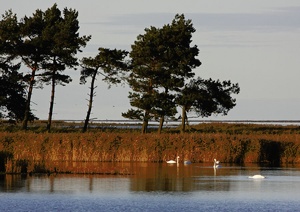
point(229, 143)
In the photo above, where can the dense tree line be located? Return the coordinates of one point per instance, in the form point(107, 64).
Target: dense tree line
point(158, 69)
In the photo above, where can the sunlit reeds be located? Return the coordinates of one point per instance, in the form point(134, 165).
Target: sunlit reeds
point(47, 152)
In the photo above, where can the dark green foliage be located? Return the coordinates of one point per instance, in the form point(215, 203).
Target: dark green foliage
point(108, 63)
point(208, 96)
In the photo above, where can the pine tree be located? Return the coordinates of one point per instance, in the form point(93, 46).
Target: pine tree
point(108, 63)
point(62, 41)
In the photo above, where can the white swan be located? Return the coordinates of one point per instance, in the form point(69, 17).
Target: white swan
point(173, 161)
point(257, 176)
point(216, 163)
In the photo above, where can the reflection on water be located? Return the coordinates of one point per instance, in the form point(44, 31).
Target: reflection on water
point(159, 184)
point(150, 177)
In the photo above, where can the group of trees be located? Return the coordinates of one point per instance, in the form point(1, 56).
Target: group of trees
point(162, 78)
point(158, 69)
point(46, 43)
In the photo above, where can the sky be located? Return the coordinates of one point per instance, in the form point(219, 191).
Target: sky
point(254, 43)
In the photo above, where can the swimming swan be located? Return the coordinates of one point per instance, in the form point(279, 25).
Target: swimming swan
point(173, 161)
point(257, 176)
point(216, 163)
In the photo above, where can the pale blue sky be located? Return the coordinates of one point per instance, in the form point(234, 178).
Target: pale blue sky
point(252, 42)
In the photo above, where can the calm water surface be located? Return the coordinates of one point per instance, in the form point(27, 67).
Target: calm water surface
point(156, 187)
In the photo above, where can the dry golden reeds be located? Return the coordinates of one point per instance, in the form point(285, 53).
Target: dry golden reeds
point(57, 152)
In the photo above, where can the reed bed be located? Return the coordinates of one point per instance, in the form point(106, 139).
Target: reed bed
point(26, 152)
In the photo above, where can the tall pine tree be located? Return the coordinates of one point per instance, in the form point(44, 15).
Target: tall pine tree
point(62, 42)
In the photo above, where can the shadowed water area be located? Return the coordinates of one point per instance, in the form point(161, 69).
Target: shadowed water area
point(156, 187)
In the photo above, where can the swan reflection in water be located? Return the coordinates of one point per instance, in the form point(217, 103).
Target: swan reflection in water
point(216, 166)
point(187, 162)
point(216, 163)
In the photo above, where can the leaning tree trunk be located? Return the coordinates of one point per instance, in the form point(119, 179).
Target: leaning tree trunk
point(27, 107)
point(51, 103)
point(86, 122)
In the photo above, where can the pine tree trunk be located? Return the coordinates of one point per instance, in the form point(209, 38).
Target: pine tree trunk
point(27, 108)
point(145, 126)
point(161, 123)
point(187, 121)
point(51, 103)
point(183, 118)
point(86, 122)
point(145, 122)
